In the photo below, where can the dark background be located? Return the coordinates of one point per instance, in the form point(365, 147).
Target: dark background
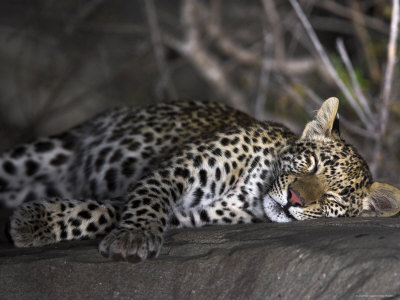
point(62, 62)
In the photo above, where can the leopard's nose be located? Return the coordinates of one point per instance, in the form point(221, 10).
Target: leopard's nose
point(295, 198)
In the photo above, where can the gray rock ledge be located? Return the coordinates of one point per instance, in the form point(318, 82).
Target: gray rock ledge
point(318, 259)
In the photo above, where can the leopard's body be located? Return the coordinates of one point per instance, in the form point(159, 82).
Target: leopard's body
point(134, 173)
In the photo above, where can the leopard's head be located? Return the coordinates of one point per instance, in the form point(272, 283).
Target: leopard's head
point(323, 176)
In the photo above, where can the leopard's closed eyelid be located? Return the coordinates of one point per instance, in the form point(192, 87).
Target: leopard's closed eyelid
point(330, 196)
point(314, 164)
point(335, 197)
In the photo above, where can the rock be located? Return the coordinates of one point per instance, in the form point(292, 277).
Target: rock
point(318, 259)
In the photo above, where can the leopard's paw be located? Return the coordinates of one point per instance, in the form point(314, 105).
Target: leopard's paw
point(31, 226)
point(131, 245)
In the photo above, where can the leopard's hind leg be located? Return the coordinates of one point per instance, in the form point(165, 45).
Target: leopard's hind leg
point(36, 170)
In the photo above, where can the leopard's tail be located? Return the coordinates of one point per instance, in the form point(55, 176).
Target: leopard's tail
point(45, 222)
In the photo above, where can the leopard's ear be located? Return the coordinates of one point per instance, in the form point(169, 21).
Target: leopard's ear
point(326, 122)
point(383, 201)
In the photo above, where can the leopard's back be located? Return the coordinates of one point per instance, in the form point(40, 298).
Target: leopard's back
point(129, 143)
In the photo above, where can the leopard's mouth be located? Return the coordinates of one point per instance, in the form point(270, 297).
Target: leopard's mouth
point(289, 204)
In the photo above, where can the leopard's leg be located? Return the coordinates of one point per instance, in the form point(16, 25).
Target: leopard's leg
point(216, 214)
point(39, 169)
point(186, 181)
point(48, 221)
point(228, 210)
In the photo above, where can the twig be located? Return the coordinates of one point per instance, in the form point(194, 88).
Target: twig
point(328, 64)
point(261, 98)
point(332, 24)
point(88, 8)
point(343, 121)
point(274, 21)
point(312, 95)
point(122, 29)
point(318, 101)
point(295, 95)
point(244, 56)
point(204, 61)
point(363, 35)
point(350, 126)
point(159, 49)
point(297, 36)
point(387, 86)
point(215, 13)
point(251, 58)
point(344, 11)
point(391, 60)
point(356, 86)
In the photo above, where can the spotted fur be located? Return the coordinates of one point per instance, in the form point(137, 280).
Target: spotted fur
point(135, 173)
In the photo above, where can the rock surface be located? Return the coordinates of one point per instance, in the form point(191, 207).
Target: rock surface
point(319, 259)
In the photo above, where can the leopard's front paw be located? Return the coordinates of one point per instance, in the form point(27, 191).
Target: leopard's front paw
point(131, 245)
point(30, 226)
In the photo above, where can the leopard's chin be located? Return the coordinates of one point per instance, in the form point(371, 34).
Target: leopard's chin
point(300, 214)
point(287, 211)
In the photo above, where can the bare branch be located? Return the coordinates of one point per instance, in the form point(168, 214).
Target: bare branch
point(350, 126)
point(215, 11)
point(356, 86)
point(174, 43)
point(88, 8)
point(344, 11)
point(259, 105)
point(253, 59)
point(391, 60)
point(205, 62)
point(332, 24)
point(274, 21)
point(159, 50)
point(318, 101)
point(363, 35)
point(288, 87)
point(328, 64)
point(246, 56)
point(311, 94)
point(343, 121)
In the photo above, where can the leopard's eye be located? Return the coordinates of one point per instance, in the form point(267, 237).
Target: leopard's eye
point(313, 168)
point(330, 196)
point(336, 198)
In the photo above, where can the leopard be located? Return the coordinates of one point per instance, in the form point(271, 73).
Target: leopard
point(131, 174)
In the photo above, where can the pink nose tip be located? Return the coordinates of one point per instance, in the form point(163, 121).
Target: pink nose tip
point(294, 198)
